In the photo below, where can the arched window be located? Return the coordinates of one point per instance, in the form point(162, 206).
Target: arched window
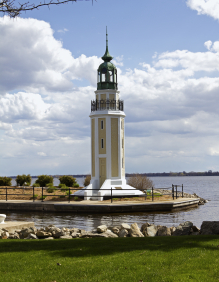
point(111, 76)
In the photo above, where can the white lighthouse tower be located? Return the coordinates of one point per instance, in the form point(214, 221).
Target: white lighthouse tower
point(107, 137)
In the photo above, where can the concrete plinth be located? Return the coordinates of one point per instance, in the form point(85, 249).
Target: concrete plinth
point(12, 226)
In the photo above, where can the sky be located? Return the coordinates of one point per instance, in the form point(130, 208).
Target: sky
point(167, 56)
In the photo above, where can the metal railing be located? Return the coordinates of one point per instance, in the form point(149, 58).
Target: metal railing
point(147, 194)
point(100, 105)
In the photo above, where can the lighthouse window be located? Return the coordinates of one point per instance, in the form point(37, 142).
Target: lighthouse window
point(122, 162)
point(111, 76)
point(122, 143)
point(101, 124)
point(102, 143)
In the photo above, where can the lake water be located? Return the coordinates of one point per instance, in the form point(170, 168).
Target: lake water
point(206, 187)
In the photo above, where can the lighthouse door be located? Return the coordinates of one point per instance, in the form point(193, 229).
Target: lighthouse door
point(102, 164)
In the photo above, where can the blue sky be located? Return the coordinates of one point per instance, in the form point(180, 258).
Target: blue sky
point(167, 54)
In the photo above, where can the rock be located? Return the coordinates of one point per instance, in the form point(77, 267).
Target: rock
point(32, 236)
point(109, 234)
point(144, 226)
point(186, 224)
point(123, 233)
point(163, 231)
point(115, 229)
point(172, 229)
point(195, 229)
point(74, 230)
point(135, 231)
point(209, 227)
point(14, 236)
point(43, 234)
point(48, 238)
point(150, 231)
point(26, 231)
point(181, 231)
point(125, 226)
point(102, 228)
point(65, 237)
point(82, 233)
point(75, 235)
point(5, 235)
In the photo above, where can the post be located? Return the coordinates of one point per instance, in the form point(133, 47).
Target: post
point(152, 193)
point(6, 193)
point(145, 195)
point(176, 191)
point(69, 194)
point(111, 195)
point(173, 191)
point(33, 194)
point(42, 195)
point(182, 190)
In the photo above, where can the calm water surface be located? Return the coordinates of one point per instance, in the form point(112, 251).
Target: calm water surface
point(206, 187)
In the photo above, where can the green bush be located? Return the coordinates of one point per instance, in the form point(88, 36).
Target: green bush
point(44, 179)
point(5, 181)
point(67, 180)
point(36, 185)
point(50, 188)
point(43, 197)
point(21, 179)
point(87, 180)
point(76, 185)
point(35, 196)
point(67, 193)
point(63, 187)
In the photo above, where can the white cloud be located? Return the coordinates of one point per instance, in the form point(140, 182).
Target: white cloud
point(63, 30)
point(205, 7)
point(42, 154)
point(208, 44)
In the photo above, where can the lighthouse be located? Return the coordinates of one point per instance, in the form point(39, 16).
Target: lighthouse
point(107, 119)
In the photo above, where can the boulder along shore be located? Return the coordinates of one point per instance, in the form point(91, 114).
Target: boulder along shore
point(124, 230)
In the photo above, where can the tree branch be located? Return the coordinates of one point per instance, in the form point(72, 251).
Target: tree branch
point(7, 7)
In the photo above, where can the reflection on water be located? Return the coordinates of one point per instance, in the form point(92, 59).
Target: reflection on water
point(205, 186)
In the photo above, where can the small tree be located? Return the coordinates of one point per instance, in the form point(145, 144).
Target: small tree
point(5, 181)
point(67, 180)
point(87, 180)
point(140, 182)
point(21, 179)
point(42, 180)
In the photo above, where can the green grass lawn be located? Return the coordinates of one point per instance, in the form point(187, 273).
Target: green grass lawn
point(186, 258)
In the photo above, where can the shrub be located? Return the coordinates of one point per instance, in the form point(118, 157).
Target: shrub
point(63, 187)
point(36, 185)
point(50, 188)
point(5, 181)
point(21, 179)
point(35, 196)
point(43, 197)
point(67, 180)
point(87, 180)
point(140, 182)
point(76, 198)
point(43, 180)
point(76, 185)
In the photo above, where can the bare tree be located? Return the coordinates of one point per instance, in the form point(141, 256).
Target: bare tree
point(140, 182)
point(8, 7)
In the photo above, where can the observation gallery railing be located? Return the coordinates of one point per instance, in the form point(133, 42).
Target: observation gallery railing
point(113, 105)
point(174, 192)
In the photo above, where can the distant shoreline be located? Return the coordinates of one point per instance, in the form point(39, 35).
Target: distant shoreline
point(164, 174)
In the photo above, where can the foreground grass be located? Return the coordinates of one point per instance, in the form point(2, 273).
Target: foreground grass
point(187, 258)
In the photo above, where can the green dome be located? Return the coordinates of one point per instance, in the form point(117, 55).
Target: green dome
point(106, 65)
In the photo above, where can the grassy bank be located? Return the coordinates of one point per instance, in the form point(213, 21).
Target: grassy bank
point(187, 258)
